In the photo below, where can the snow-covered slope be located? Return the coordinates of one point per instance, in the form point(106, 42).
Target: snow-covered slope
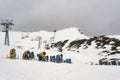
point(82, 57)
point(69, 33)
point(89, 47)
point(30, 40)
point(35, 70)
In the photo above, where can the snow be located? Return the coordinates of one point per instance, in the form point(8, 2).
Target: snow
point(114, 36)
point(69, 33)
point(80, 69)
point(35, 70)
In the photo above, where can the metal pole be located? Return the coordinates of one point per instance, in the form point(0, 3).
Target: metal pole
point(6, 24)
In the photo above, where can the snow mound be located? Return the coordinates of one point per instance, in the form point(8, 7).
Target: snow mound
point(70, 34)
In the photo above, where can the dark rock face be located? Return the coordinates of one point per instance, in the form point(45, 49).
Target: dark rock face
point(100, 43)
point(77, 43)
point(59, 44)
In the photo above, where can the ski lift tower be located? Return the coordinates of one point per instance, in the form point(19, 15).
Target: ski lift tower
point(39, 44)
point(54, 35)
point(6, 24)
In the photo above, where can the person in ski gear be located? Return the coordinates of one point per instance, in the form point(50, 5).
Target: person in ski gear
point(12, 53)
point(67, 60)
point(26, 55)
point(45, 58)
point(52, 58)
point(59, 58)
point(41, 56)
point(31, 55)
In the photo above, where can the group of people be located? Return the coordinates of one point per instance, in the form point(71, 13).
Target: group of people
point(58, 58)
point(53, 58)
point(27, 55)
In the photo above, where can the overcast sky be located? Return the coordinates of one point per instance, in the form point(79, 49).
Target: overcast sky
point(93, 17)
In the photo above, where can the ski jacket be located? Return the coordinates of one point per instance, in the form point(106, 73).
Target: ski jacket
point(12, 55)
point(58, 56)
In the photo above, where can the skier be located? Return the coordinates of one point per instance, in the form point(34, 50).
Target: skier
point(26, 55)
point(45, 58)
point(52, 58)
point(41, 55)
point(12, 53)
point(31, 55)
point(59, 58)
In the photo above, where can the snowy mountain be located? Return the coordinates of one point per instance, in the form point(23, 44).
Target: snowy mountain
point(84, 51)
point(70, 39)
point(30, 39)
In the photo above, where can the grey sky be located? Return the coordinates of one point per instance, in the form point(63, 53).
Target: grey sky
point(93, 17)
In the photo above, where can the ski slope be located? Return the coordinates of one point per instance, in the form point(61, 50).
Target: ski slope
point(80, 69)
point(35, 70)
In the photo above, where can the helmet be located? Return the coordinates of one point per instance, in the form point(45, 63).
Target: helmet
point(28, 51)
point(44, 53)
point(54, 56)
point(32, 52)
